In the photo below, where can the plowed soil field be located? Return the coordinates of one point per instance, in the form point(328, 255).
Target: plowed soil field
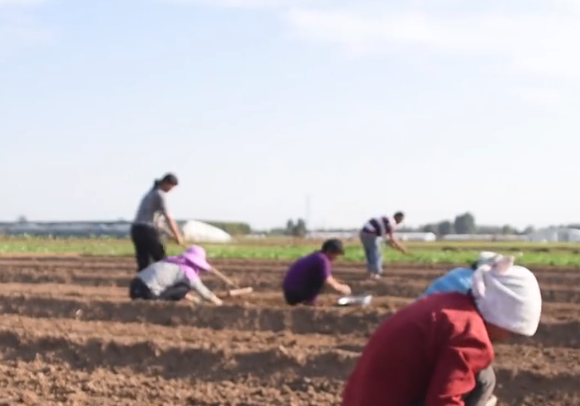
point(70, 336)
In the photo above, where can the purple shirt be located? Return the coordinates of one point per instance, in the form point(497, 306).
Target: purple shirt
point(306, 272)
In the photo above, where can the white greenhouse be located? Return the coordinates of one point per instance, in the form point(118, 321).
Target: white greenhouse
point(416, 236)
point(196, 231)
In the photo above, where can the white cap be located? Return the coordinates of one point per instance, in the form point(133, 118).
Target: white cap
point(488, 257)
point(508, 296)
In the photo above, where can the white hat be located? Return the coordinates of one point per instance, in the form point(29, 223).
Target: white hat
point(487, 257)
point(508, 296)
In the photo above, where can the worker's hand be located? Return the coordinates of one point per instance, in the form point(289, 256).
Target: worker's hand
point(180, 241)
point(346, 290)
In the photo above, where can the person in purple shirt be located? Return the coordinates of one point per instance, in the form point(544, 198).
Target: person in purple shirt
point(308, 275)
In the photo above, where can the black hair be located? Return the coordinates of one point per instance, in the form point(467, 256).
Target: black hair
point(167, 178)
point(475, 265)
point(333, 246)
point(399, 214)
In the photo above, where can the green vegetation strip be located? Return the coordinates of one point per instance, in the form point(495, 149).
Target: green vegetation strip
point(422, 253)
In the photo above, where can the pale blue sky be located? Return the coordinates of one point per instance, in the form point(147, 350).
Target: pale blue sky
point(432, 107)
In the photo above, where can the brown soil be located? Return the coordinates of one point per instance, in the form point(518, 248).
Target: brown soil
point(69, 336)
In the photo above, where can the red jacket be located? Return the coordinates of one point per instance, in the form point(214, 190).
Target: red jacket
point(427, 352)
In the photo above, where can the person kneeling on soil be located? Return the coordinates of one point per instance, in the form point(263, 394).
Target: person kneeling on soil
point(308, 275)
point(174, 278)
point(429, 353)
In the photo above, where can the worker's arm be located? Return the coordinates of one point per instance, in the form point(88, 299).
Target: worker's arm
point(212, 298)
point(215, 300)
point(393, 242)
point(453, 377)
point(204, 292)
point(174, 229)
point(339, 287)
point(170, 221)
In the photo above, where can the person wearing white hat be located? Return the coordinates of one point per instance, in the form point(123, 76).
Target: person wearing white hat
point(460, 280)
point(430, 352)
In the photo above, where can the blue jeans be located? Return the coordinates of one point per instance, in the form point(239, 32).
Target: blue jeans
point(373, 252)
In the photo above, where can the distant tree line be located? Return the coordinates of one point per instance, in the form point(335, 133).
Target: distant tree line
point(465, 224)
point(294, 228)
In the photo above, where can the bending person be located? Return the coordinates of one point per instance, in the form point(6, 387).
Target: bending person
point(460, 280)
point(174, 278)
point(372, 234)
point(144, 231)
point(308, 275)
point(430, 352)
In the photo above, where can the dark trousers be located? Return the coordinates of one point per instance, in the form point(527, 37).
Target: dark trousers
point(483, 391)
point(138, 290)
point(148, 245)
point(305, 295)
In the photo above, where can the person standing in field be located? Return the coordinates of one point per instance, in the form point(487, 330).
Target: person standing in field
point(308, 275)
point(173, 278)
point(430, 352)
point(144, 231)
point(372, 234)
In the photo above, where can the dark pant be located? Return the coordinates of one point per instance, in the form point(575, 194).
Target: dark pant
point(175, 293)
point(484, 387)
point(148, 245)
point(483, 391)
point(138, 290)
point(305, 295)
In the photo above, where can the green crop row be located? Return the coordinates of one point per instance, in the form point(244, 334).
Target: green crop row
point(419, 253)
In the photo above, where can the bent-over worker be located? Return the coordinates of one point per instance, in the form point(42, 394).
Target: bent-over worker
point(460, 280)
point(428, 353)
point(173, 278)
point(308, 275)
point(375, 231)
point(144, 230)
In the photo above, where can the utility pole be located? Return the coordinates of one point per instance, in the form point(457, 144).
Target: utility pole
point(307, 214)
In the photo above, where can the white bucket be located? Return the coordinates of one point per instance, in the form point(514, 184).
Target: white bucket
point(362, 300)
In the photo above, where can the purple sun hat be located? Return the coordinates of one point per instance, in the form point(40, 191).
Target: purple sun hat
point(196, 255)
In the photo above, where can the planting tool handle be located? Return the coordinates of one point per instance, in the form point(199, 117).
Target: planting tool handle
point(223, 277)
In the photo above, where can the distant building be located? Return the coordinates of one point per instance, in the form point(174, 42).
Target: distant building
point(484, 237)
point(192, 230)
point(555, 234)
point(347, 235)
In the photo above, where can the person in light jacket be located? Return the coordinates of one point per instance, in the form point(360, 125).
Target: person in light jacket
point(175, 278)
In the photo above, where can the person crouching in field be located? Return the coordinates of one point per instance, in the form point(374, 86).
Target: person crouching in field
point(429, 353)
point(173, 278)
point(308, 275)
point(460, 280)
point(372, 234)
